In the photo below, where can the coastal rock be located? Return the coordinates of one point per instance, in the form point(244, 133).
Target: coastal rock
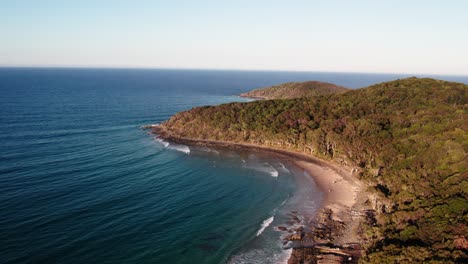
point(282, 228)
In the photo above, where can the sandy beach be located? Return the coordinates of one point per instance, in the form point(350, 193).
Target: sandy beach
point(344, 196)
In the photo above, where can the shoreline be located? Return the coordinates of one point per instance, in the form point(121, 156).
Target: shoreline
point(243, 95)
point(334, 234)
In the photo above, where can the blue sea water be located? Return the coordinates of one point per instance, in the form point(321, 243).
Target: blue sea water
point(81, 183)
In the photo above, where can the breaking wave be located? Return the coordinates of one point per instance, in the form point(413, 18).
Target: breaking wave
point(265, 167)
point(163, 142)
point(182, 148)
point(269, 169)
point(264, 225)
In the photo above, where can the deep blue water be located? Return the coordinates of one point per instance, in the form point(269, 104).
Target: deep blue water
point(81, 183)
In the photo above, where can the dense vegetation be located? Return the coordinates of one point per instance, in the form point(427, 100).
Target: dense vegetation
point(409, 137)
point(295, 90)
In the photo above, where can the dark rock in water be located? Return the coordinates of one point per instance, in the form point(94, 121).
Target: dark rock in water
point(294, 237)
point(295, 218)
point(299, 229)
point(282, 228)
point(292, 213)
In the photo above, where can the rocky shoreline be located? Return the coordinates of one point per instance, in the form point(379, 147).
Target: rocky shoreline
point(334, 235)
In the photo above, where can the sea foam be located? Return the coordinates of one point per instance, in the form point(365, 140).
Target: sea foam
point(181, 148)
point(265, 167)
point(270, 169)
point(274, 173)
point(264, 225)
point(164, 143)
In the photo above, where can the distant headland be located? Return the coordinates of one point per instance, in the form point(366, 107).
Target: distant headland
point(292, 90)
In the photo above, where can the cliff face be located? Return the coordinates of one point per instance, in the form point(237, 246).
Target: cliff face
point(409, 138)
point(295, 90)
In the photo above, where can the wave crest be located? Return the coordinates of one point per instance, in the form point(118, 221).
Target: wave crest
point(182, 148)
point(265, 167)
point(264, 225)
point(162, 141)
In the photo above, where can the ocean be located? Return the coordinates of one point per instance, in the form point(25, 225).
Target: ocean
point(80, 182)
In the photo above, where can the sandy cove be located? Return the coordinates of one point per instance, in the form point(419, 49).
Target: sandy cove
point(335, 232)
point(344, 195)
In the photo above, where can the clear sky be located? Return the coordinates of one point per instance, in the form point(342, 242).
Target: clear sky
point(411, 36)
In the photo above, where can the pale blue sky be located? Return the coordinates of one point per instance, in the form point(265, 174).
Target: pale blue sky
point(328, 35)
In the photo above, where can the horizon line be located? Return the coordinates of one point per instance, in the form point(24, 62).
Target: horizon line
point(216, 69)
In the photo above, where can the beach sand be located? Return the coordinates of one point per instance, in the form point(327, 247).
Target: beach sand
point(344, 196)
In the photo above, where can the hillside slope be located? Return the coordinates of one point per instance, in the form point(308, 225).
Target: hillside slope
point(295, 90)
point(409, 137)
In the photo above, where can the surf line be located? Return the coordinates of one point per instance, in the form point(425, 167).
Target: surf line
point(264, 225)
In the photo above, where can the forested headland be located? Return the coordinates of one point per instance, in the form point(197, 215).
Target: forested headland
point(292, 90)
point(408, 137)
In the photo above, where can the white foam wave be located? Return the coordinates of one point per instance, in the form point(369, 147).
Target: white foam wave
point(164, 143)
point(274, 173)
point(181, 148)
point(265, 167)
point(271, 170)
point(264, 225)
point(286, 256)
